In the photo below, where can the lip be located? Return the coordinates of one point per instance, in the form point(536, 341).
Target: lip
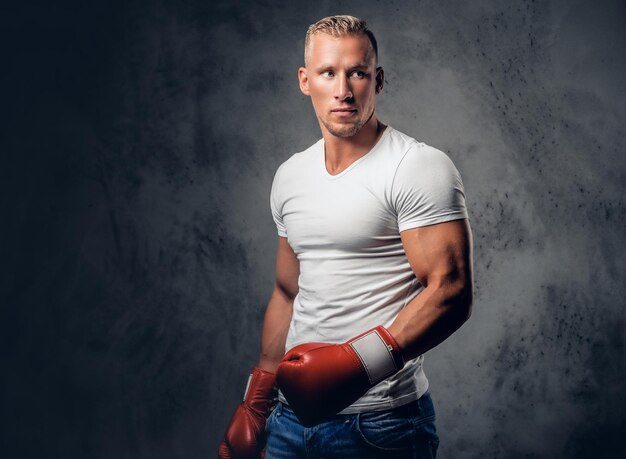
point(344, 111)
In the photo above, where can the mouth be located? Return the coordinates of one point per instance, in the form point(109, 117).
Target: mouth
point(344, 112)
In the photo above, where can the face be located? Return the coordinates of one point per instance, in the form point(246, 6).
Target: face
point(342, 80)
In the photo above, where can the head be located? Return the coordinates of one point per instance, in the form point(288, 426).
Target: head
point(339, 26)
point(341, 73)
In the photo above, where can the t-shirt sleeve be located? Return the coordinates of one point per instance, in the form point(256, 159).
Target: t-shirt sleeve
point(276, 204)
point(427, 189)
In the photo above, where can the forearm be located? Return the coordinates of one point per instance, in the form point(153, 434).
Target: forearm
point(433, 315)
point(275, 327)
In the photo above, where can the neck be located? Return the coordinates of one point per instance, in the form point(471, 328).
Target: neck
point(340, 152)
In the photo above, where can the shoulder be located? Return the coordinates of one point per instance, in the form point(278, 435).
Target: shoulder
point(415, 156)
point(419, 156)
point(426, 169)
point(397, 143)
point(426, 158)
point(427, 188)
point(300, 161)
point(293, 172)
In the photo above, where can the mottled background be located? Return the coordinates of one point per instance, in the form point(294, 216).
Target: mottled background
point(139, 142)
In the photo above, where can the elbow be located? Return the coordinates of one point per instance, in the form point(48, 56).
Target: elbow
point(457, 299)
point(286, 292)
point(466, 300)
point(463, 300)
point(467, 312)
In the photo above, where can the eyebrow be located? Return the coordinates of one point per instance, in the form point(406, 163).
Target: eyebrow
point(330, 66)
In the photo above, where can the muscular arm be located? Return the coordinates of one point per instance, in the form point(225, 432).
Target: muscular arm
point(441, 258)
point(245, 435)
point(280, 307)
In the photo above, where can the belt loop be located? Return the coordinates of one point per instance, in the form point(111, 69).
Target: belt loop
point(420, 408)
point(279, 409)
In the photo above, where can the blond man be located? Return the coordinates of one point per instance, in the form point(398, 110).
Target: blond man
point(373, 269)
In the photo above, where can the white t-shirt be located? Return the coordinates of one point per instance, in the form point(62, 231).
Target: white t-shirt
point(345, 231)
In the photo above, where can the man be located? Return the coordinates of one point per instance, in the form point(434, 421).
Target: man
point(373, 269)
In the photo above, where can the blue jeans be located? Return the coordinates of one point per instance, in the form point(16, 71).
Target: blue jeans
point(404, 432)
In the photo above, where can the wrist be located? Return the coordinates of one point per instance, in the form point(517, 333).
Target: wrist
point(268, 365)
point(398, 334)
point(379, 353)
point(261, 391)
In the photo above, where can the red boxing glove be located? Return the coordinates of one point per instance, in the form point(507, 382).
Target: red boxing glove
point(321, 379)
point(245, 434)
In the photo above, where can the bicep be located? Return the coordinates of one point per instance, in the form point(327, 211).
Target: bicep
point(287, 268)
point(440, 253)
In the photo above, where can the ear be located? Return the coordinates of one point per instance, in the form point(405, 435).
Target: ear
point(304, 81)
point(380, 79)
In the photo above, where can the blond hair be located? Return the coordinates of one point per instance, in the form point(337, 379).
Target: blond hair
point(339, 26)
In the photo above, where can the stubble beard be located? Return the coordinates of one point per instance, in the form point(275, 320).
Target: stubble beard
point(345, 130)
point(342, 130)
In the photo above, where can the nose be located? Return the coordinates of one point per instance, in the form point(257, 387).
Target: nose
point(342, 87)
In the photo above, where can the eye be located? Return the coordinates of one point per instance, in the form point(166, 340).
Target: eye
point(358, 74)
point(328, 73)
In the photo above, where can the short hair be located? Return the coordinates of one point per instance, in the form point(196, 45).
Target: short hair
point(339, 26)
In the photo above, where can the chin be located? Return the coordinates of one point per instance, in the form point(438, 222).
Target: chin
point(343, 130)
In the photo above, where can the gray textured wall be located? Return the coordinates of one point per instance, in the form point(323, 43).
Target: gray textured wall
point(137, 244)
